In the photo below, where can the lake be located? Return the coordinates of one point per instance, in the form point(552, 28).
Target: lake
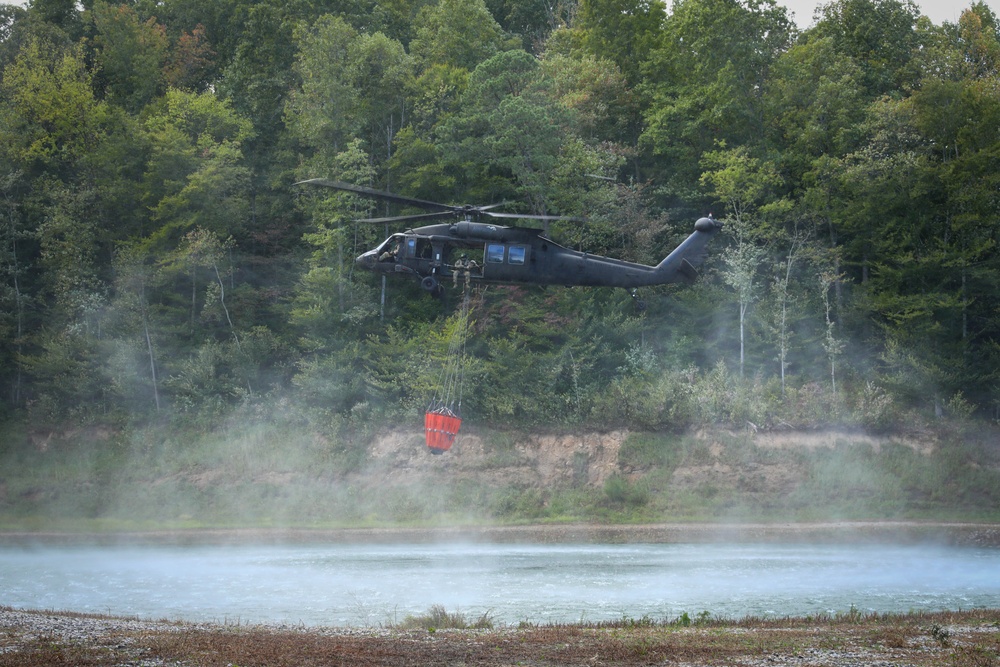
point(375, 584)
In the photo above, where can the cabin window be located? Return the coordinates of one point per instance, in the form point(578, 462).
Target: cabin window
point(411, 247)
point(494, 253)
point(516, 254)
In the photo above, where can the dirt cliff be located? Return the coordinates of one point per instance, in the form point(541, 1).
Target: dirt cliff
point(527, 460)
point(760, 461)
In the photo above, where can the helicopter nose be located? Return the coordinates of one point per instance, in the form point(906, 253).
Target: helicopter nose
point(367, 260)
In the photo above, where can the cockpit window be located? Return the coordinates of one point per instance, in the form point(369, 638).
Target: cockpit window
point(394, 241)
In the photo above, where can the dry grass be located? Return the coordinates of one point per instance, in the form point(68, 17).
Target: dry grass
point(961, 639)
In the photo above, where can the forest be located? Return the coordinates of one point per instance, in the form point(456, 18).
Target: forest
point(160, 266)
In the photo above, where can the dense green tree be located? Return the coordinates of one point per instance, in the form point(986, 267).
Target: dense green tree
point(417, 166)
point(622, 31)
point(190, 61)
point(195, 175)
point(604, 108)
point(702, 89)
point(15, 296)
point(52, 121)
point(512, 137)
point(324, 112)
point(955, 112)
point(815, 105)
point(533, 20)
point(13, 31)
point(328, 302)
point(382, 72)
point(71, 147)
point(879, 35)
point(66, 378)
point(458, 33)
point(129, 56)
point(68, 238)
point(63, 14)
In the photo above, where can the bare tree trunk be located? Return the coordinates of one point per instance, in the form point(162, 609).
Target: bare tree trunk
point(743, 314)
point(225, 309)
point(19, 307)
point(194, 294)
point(152, 358)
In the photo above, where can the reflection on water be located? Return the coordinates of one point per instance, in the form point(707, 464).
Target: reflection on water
point(372, 584)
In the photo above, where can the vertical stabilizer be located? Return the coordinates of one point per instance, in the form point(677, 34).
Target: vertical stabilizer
point(682, 264)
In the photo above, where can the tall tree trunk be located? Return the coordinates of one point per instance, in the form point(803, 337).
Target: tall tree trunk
point(149, 350)
point(225, 309)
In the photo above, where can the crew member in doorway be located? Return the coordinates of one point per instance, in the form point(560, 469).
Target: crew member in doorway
point(463, 266)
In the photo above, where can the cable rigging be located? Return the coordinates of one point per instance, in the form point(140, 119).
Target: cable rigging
point(443, 417)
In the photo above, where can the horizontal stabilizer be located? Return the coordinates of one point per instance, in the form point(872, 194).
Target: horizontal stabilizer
point(687, 270)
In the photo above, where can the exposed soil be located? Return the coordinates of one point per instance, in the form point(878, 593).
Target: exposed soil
point(969, 639)
point(533, 460)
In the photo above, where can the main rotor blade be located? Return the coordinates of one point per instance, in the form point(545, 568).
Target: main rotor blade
point(378, 194)
point(486, 208)
point(437, 207)
point(530, 216)
point(409, 218)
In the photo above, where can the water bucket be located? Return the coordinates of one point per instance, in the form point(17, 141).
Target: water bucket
point(440, 428)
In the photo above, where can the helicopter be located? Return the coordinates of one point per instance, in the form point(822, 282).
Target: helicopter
point(484, 253)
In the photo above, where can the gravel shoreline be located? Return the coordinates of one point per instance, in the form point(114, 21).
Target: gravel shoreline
point(42, 638)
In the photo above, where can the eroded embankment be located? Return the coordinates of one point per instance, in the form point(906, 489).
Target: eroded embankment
point(551, 460)
point(271, 477)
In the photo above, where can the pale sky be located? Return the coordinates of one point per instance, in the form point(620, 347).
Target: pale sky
point(938, 11)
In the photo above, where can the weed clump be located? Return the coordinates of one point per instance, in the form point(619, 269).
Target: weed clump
point(439, 618)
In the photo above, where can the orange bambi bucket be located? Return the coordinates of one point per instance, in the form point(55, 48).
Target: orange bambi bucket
point(440, 428)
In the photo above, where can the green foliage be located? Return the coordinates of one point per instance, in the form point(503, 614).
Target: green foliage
point(702, 91)
point(194, 176)
point(622, 32)
point(156, 261)
point(644, 450)
point(456, 33)
point(130, 56)
point(620, 491)
point(878, 34)
point(53, 122)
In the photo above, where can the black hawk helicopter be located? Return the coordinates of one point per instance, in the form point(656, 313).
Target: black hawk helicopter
point(482, 252)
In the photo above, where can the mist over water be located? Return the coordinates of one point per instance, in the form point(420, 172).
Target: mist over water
point(373, 584)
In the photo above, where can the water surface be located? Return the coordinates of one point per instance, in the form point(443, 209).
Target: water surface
point(372, 584)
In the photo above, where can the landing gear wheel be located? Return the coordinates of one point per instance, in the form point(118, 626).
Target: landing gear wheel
point(429, 283)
